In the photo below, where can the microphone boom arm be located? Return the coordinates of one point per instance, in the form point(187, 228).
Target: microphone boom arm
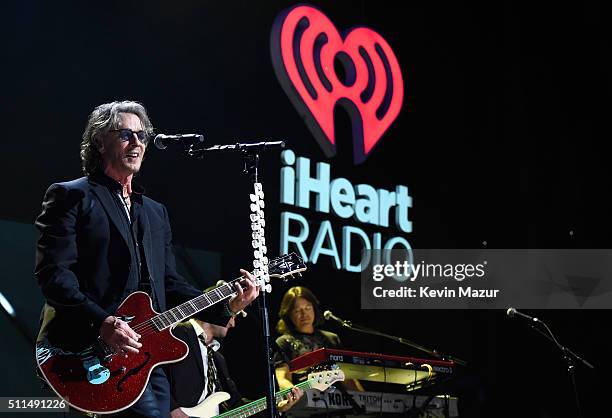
point(358, 328)
point(433, 352)
point(248, 147)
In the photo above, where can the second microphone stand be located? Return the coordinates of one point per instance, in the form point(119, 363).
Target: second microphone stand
point(404, 341)
point(569, 357)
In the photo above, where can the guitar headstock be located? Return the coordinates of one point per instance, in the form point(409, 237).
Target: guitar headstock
point(286, 266)
point(323, 380)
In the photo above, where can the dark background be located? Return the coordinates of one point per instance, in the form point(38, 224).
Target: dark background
point(500, 140)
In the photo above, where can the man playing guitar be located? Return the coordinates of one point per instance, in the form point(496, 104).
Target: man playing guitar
point(101, 239)
point(190, 379)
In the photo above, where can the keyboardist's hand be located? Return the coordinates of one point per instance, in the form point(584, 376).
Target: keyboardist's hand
point(291, 399)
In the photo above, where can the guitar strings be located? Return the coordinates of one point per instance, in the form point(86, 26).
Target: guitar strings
point(260, 405)
point(149, 327)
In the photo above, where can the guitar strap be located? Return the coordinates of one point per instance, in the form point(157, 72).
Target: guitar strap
point(225, 383)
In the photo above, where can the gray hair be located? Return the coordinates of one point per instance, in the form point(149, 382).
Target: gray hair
point(104, 118)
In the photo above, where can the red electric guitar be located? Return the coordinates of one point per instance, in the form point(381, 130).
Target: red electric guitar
point(100, 381)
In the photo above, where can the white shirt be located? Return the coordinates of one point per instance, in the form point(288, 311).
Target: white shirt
point(215, 345)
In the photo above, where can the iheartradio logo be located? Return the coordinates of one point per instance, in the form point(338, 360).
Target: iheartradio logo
point(304, 47)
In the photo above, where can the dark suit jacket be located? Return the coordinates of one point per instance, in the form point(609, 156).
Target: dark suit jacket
point(83, 260)
point(187, 380)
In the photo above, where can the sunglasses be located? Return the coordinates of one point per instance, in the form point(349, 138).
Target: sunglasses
point(128, 134)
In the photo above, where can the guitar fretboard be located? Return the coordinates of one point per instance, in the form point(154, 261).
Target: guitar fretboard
point(191, 307)
point(261, 404)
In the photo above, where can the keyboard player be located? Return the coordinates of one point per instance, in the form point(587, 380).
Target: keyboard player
point(298, 326)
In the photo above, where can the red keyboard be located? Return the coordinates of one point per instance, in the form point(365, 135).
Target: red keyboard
point(376, 367)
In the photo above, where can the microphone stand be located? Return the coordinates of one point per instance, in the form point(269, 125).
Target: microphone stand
point(432, 352)
point(250, 155)
point(249, 150)
point(569, 357)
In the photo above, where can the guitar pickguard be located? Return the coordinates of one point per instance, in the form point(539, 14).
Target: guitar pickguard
point(96, 372)
point(44, 351)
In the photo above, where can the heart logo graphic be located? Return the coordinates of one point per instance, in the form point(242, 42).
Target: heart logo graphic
point(305, 45)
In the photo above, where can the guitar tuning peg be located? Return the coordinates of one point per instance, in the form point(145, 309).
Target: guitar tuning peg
point(268, 288)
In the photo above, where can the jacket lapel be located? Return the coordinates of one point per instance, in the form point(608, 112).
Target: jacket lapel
point(104, 195)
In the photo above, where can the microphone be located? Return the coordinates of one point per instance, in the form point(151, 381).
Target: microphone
point(328, 315)
point(162, 141)
point(513, 313)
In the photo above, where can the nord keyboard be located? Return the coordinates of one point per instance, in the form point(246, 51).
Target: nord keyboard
point(410, 371)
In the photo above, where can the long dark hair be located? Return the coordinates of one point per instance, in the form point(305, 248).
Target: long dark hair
point(285, 325)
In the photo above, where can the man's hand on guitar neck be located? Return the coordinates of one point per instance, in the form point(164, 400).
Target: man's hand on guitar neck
point(290, 400)
point(244, 297)
point(118, 335)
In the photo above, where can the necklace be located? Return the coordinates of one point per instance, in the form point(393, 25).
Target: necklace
point(126, 203)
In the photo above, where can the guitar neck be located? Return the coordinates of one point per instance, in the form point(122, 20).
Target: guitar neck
point(191, 307)
point(261, 404)
point(279, 267)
